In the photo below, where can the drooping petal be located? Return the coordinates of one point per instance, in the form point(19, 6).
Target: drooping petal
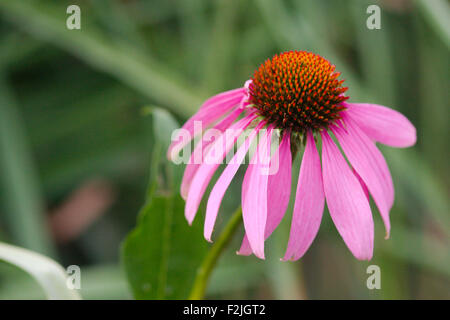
point(212, 110)
point(346, 201)
point(370, 165)
point(254, 196)
point(206, 170)
point(221, 186)
point(278, 190)
point(201, 149)
point(383, 124)
point(309, 203)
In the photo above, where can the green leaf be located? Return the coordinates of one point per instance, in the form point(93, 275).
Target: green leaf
point(163, 124)
point(162, 253)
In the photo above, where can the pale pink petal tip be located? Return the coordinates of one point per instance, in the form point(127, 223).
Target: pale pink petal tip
point(245, 249)
point(241, 252)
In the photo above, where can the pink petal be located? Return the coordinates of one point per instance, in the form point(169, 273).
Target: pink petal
point(309, 203)
point(202, 148)
point(239, 92)
point(213, 109)
point(217, 193)
point(254, 196)
point(278, 191)
point(346, 201)
point(206, 170)
point(383, 124)
point(370, 165)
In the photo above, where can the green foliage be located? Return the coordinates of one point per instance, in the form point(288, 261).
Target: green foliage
point(162, 254)
point(18, 177)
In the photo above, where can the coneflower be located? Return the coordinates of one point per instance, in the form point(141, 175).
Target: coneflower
point(299, 95)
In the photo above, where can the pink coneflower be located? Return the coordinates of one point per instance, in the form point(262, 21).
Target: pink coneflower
point(299, 95)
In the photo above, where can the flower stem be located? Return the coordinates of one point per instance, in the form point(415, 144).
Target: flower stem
point(208, 264)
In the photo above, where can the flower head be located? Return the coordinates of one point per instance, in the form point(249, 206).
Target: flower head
point(297, 90)
point(295, 97)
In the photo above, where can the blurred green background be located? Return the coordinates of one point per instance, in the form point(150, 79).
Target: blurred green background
point(76, 139)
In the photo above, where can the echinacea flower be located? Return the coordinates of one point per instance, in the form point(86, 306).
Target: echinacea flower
point(299, 95)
